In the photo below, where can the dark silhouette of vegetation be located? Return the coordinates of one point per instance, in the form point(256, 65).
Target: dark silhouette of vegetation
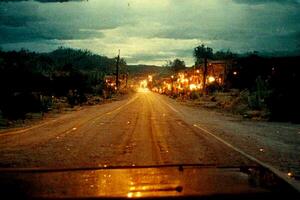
point(177, 65)
point(273, 83)
point(141, 70)
point(202, 54)
point(28, 80)
point(222, 55)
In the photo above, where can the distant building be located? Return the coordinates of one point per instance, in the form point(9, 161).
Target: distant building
point(191, 79)
point(216, 71)
point(110, 80)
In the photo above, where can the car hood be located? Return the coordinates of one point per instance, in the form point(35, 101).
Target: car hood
point(178, 181)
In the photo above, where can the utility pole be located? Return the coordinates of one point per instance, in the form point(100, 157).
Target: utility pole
point(117, 71)
point(127, 73)
point(205, 74)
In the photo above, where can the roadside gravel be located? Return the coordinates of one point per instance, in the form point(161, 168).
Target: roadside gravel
point(275, 143)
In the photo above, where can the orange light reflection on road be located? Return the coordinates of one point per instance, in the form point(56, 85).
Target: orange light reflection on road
point(143, 90)
point(143, 84)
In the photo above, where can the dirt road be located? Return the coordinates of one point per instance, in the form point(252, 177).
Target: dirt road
point(145, 129)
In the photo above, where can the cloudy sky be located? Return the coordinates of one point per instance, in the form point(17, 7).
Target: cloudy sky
point(151, 31)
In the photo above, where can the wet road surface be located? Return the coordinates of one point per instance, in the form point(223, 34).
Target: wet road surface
point(144, 129)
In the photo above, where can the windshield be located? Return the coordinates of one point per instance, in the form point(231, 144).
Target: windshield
point(97, 83)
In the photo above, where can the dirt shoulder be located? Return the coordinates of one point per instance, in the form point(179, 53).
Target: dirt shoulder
point(275, 143)
point(38, 119)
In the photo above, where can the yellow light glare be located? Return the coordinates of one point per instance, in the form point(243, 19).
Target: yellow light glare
point(193, 87)
point(290, 174)
point(138, 194)
point(143, 84)
point(129, 195)
point(211, 79)
point(169, 86)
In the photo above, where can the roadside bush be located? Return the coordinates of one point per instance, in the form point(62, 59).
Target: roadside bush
point(75, 98)
point(194, 95)
point(257, 98)
point(174, 95)
point(46, 103)
point(16, 105)
point(213, 87)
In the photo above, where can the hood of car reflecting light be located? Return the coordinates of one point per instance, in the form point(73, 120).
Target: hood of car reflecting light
point(143, 182)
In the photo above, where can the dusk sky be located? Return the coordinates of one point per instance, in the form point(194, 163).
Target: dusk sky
point(151, 31)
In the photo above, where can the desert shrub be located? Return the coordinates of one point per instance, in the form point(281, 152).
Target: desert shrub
point(213, 87)
point(46, 103)
point(194, 95)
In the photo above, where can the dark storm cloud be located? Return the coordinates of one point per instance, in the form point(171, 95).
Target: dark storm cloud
point(23, 34)
point(267, 1)
point(151, 30)
point(51, 1)
point(243, 28)
point(296, 38)
point(16, 15)
point(232, 34)
point(27, 21)
point(16, 21)
point(42, 1)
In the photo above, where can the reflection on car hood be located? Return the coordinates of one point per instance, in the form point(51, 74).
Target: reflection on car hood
point(186, 181)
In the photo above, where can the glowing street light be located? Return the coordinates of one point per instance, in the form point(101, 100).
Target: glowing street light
point(193, 87)
point(143, 84)
point(211, 79)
